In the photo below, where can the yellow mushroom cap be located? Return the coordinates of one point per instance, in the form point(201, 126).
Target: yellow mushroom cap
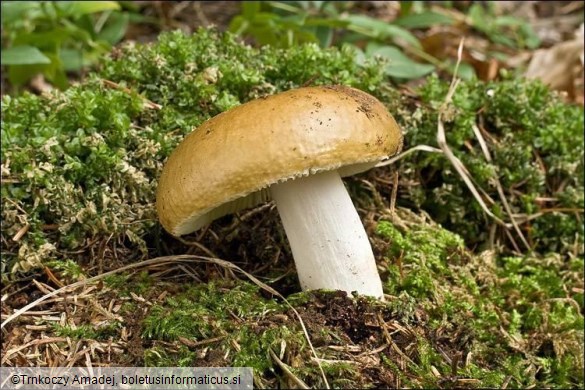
point(229, 162)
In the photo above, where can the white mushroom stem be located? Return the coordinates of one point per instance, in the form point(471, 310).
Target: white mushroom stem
point(328, 241)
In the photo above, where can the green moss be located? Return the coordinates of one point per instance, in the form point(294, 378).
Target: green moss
point(202, 310)
point(80, 332)
point(429, 358)
point(86, 160)
point(245, 328)
point(87, 331)
point(124, 283)
point(159, 357)
point(344, 375)
point(67, 268)
point(536, 144)
point(426, 250)
point(255, 345)
point(233, 314)
point(143, 283)
point(403, 377)
point(77, 160)
point(510, 313)
point(116, 281)
point(68, 154)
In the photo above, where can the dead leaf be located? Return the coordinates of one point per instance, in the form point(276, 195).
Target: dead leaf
point(559, 65)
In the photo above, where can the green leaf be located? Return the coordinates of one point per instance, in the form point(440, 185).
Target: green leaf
point(405, 7)
point(400, 65)
point(53, 71)
point(324, 35)
point(265, 18)
point(13, 11)
point(285, 6)
point(72, 59)
point(115, 28)
point(265, 35)
point(250, 9)
point(465, 71)
point(23, 55)
point(43, 40)
point(331, 9)
point(377, 29)
point(532, 41)
point(423, 20)
point(304, 4)
point(507, 21)
point(478, 17)
point(87, 24)
point(502, 39)
point(301, 36)
point(238, 25)
point(78, 8)
point(21, 74)
point(359, 56)
point(326, 22)
point(138, 18)
point(77, 33)
point(294, 20)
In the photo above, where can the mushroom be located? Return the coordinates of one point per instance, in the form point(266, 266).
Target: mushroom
point(292, 147)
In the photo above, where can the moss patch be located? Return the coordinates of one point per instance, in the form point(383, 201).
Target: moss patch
point(451, 319)
point(514, 314)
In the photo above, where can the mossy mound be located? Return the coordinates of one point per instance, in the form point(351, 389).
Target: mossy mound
point(80, 168)
point(536, 154)
point(451, 319)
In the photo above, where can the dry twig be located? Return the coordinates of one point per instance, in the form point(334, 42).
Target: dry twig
point(284, 367)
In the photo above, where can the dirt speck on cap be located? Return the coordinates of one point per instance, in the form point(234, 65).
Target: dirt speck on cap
point(363, 100)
